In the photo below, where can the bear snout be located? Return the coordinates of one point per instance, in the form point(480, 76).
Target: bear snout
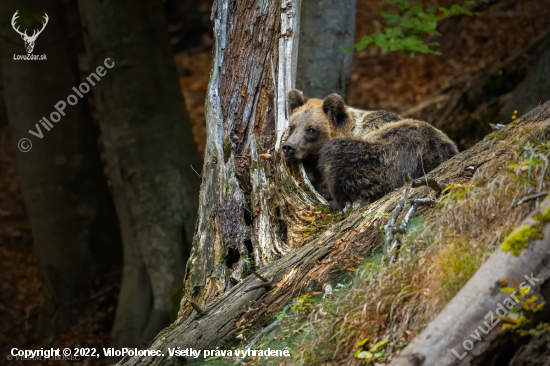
point(288, 149)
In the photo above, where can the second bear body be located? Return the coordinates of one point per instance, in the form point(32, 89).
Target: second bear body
point(367, 169)
point(356, 155)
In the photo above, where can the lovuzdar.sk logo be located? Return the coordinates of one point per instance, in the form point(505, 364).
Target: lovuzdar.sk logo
point(29, 40)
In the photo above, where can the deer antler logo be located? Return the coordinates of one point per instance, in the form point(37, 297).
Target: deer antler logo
point(29, 40)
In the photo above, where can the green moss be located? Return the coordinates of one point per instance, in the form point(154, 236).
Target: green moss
point(226, 148)
point(545, 216)
point(520, 239)
point(458, 263)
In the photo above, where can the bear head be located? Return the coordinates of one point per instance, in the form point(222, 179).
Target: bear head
point(313, 122)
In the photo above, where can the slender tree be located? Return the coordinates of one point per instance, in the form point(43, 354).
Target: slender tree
point(70, 209)
point(150, 153)
point(325, 27)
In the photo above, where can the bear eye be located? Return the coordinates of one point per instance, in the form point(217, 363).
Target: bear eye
point(292, 128)
point(311, 130)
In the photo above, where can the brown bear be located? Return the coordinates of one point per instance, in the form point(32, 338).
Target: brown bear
point(356, 155)
point(314, 122)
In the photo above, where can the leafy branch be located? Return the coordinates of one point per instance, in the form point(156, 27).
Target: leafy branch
point(408, 29)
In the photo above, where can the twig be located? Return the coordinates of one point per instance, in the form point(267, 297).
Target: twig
point(543, 158)
point(423, 171)
point(402, 229)
point(198, 309)
point(200, 176)
point(388, 228)
point(260, 277)
point(391, 242)
point(531, 197)
point(267, 285)
point(498, 126)
point(430, 182)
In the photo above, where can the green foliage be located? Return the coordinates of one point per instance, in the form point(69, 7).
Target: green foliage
point(544, 217)
point(407, 29)
point(244, 328)
point(517, 321)
point(302, 304)
point(376, 352)
point(539, 330)
point(520, 239)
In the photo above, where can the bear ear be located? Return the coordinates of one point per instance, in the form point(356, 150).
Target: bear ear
point(295, 99)
point(335, 108)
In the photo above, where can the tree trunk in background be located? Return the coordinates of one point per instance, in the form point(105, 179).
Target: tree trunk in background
point(149, 148)
point(534, 89)
point(325, 26)
point(70, 208)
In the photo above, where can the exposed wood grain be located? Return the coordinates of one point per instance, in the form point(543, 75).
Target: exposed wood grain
point(243, 197)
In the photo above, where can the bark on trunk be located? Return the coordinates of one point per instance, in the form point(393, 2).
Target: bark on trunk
point(325, 26)
point(312, 265)
point(149, 148)
point(250, 199)
point(70, 209)
point(534, 89)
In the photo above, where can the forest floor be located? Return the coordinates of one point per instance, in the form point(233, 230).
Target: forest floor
point(470, 46)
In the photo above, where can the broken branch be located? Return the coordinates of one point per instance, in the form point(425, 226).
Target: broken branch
point(388, 228)
point(198, 309)
point(268, 286)
point(531, 197)
point(430, 182)
point(402, 229)
point(260, 277)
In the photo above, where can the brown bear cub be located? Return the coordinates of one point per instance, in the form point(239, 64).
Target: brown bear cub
point(357, 155)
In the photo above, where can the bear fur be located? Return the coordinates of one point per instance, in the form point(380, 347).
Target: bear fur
point(354, 155)
point(365, 170)
point(314, 122)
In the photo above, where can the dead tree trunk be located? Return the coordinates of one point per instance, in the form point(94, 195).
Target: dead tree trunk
point(250, 198)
